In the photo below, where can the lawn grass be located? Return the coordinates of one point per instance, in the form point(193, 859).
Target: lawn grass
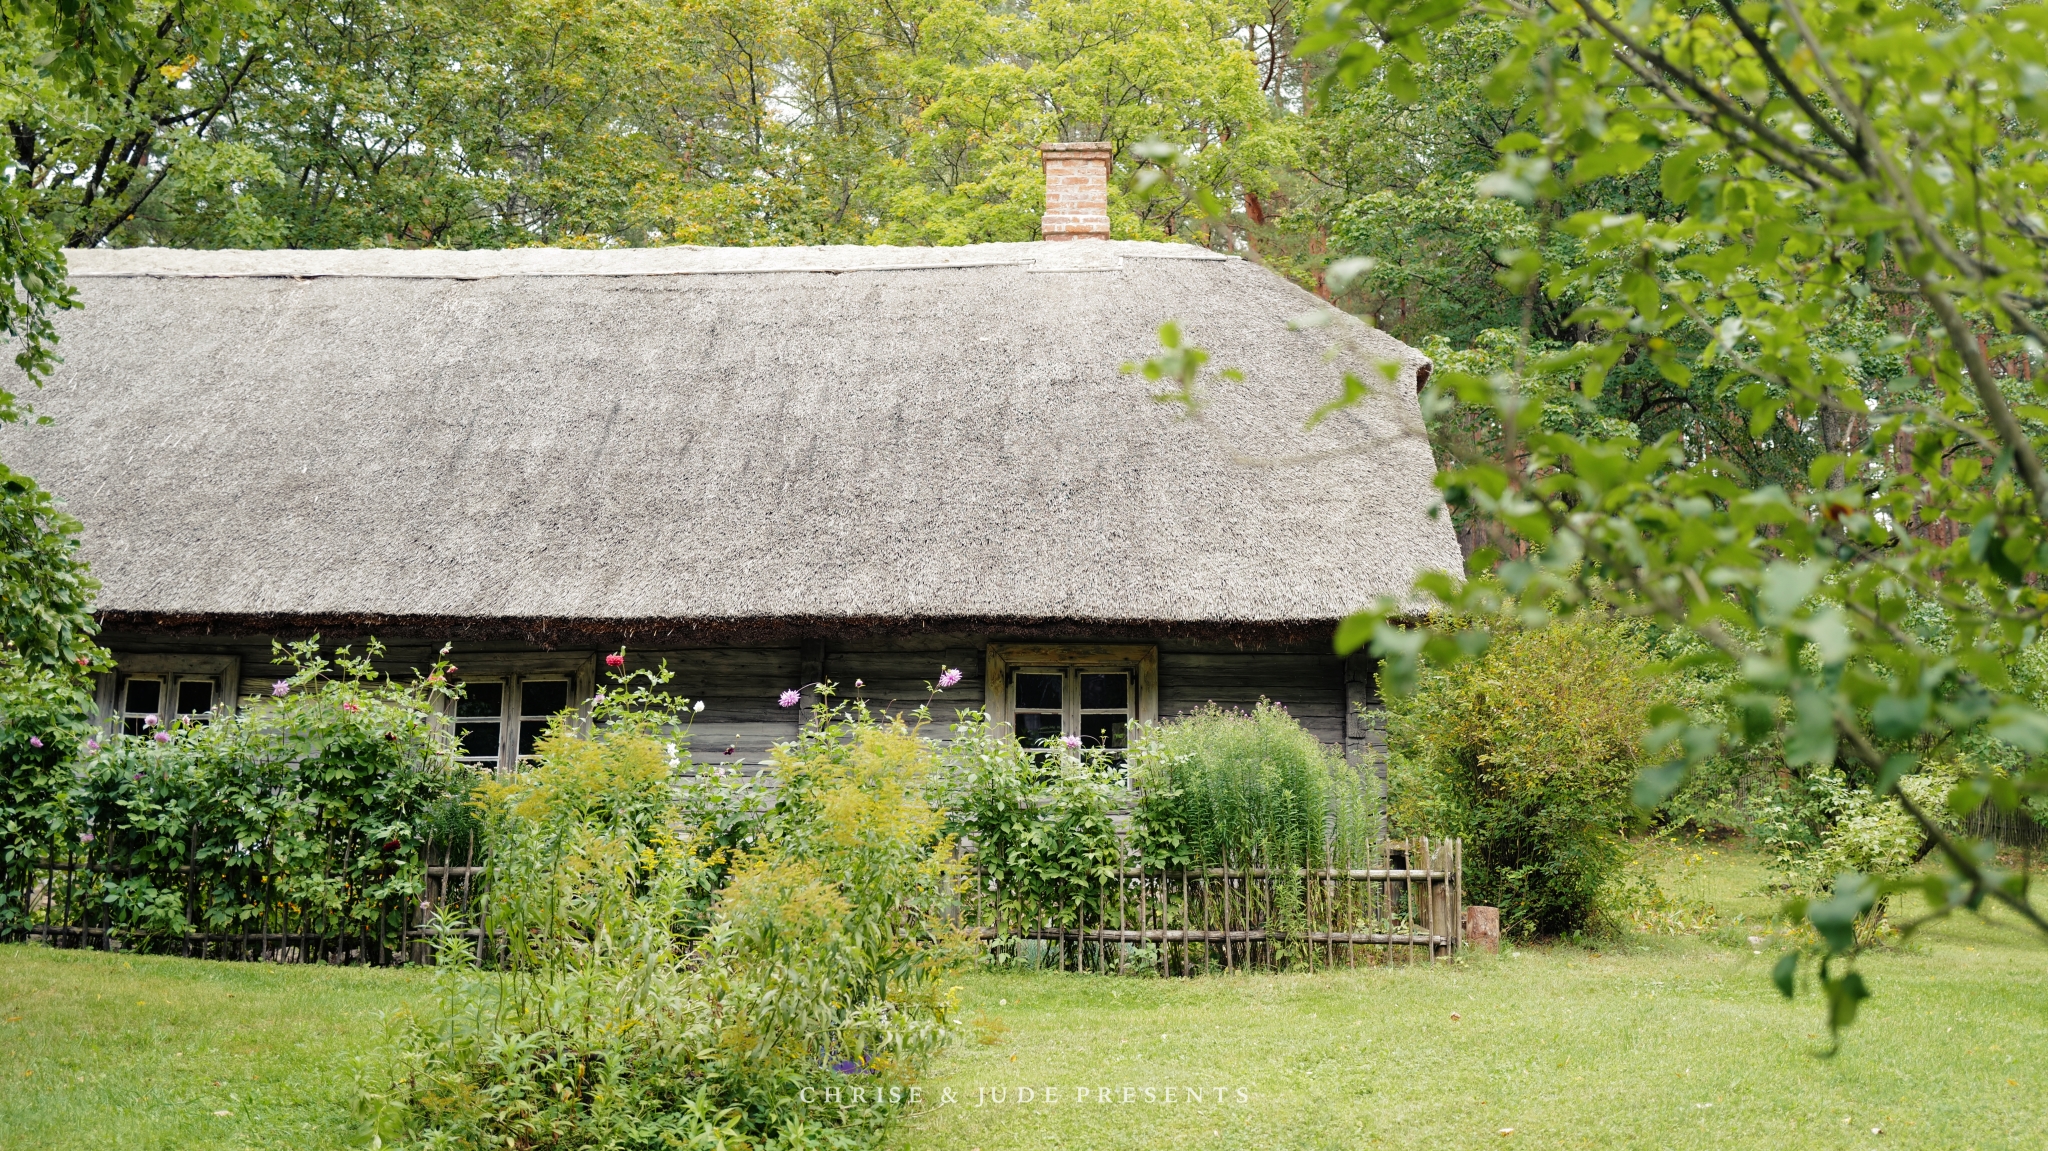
point(1649, 1042)
point(138, 1053)
point(1653, 1041)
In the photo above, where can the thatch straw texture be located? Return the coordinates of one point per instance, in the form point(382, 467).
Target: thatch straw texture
point(722, 434)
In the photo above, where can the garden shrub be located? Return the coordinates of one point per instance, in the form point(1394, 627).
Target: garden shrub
point(45, 720)
point(1040, 827)
point(1529, 753)
point(790, 1009)
point(1245, 789)
point(1236, 789)
point(310, 799)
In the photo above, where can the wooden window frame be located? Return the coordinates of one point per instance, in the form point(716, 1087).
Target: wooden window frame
point(224, 671)
point(578, 668)
point(1140, 660)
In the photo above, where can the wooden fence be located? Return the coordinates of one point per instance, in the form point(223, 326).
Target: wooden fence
point(1407, 906)
point(74, 897)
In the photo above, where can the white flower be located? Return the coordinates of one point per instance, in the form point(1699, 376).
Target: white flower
point(699, 706)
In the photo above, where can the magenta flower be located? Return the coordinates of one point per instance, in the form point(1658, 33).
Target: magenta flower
point(615, 660)
point(281, 687)
point(35, 741)
point(350, 705)
point(949, 677)
point(149, 720)
point(163, 737)
point(92, 745)
point(1073, 742)
point(858, 683)
point(791, 697)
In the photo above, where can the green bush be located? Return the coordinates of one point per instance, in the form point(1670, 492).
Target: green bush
point(1245, 789)
point(789, 1009)
point(307, 805)
point(1040, 826)
point(45, 723)
point(1529, 753)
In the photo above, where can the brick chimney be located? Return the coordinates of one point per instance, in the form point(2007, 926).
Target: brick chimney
point(1076, 191)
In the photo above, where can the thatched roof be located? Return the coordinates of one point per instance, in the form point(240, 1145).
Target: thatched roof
point(721, 434)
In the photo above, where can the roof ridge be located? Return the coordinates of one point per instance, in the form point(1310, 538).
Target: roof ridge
point(679, 260)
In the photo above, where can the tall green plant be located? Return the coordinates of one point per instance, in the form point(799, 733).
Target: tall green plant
point(1245, 789)
point(1040, 826)
point(621, 1016)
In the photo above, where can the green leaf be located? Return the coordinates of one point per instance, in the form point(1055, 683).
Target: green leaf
point(1783, 971)
point(1896, 768)
point(1654, 785)
point(1900, 716)
point(1835, 917)
point(1355, 631)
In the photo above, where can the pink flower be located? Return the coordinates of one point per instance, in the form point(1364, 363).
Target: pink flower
point(281, 687)
point(163, 737)
point(615, 660)
point(35, 741)
point(1073, 742)
point(85, 837)
point(791, 697)
point(92, 745)
point(949, 677)
point(149, 720)
point(858, 683)
point(350, 705)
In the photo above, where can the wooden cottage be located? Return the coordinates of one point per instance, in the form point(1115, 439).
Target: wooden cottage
point(767, 467)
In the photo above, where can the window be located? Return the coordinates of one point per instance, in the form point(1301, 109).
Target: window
point(480, 722)
point(1095, 692)
point(500, 719)
point(193, 687)
point(540, 700)
point(1047, 704)
point(168, 698)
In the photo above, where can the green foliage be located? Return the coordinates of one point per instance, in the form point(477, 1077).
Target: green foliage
point(1847, 256)
point(312, 798)
point(1040, 826)
point(624, 1015)
point(1529, 752)
point(46, 592)
point(1245, 789)
point(343, 123)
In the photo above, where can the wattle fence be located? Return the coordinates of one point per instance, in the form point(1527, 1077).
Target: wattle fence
point(1407, 905)
point(72, 896)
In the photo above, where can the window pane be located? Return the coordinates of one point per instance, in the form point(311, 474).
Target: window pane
point(144, 696)
point(1036, 691)
point(132, 725)
point(195, 696)
point(1105, 731)
point(483, 700)
point(479, 740)
point(543, 697)
point(1105, 691)
point(530, 732)
point(1038, 729)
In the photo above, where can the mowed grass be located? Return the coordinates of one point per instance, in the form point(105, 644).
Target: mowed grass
point(134, 1052)
point(1647, 1042)
point(1651, 1042)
